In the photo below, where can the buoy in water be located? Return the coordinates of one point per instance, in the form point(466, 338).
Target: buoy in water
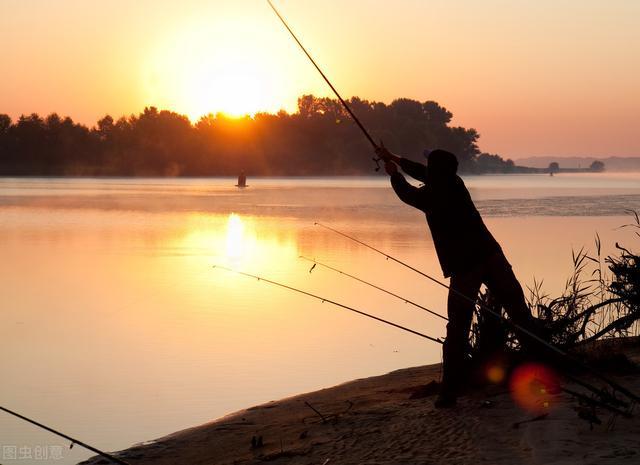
point(242, 180)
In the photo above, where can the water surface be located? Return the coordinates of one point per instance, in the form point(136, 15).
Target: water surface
point(116, 328)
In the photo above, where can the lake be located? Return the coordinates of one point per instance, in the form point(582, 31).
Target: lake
point(117, 329)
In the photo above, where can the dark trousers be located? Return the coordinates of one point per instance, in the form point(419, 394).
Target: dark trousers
point(497, 275)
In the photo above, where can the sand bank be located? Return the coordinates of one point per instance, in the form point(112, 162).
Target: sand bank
point(376, 421)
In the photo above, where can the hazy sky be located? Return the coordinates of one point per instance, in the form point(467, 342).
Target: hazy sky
point(544, 77)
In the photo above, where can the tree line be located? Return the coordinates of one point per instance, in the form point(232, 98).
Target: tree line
point(595, 167)
point(318, 139)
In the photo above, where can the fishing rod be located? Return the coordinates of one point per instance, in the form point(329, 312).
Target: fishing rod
point(333, 302)
point(514, 325)
point(596, 402)
point(73, 440)
point(342, 101)
point(407, 301)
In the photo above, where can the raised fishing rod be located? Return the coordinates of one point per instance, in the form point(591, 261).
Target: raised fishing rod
point(333, 302)
point(407, 301)
point(342, 101)
point(514, 325)
point(69, 438)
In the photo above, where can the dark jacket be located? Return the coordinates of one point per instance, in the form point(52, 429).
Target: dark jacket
point(461, 239)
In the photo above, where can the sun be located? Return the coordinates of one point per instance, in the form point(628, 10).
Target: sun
point(230, 83)
point(202, 70)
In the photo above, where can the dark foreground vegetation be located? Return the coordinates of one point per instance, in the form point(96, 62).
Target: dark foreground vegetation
point(601, 300)
point(319, 139)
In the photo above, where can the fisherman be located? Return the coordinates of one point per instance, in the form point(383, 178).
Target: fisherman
point(467, 251)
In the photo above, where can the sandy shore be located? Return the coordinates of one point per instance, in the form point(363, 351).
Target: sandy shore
point(376, 421)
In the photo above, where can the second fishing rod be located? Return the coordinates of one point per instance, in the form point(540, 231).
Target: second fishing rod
point(404, 299)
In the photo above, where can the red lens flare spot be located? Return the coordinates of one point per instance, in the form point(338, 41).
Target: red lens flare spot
point(532, 385)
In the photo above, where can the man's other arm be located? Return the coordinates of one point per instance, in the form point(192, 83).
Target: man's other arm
point(416, 170)
point(406, 192)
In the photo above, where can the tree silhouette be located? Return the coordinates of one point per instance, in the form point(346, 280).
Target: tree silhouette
point(319, 139)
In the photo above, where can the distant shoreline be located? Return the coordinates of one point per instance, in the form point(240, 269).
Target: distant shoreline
point(612, 163)
point(531, 171)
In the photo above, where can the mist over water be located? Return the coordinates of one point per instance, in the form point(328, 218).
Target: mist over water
point(117, 329)
point(495, 195)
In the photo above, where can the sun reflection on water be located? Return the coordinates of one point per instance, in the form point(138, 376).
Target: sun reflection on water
point(235, 237)
point(241, 242)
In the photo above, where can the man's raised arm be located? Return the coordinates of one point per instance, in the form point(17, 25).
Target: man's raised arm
point(416, 170)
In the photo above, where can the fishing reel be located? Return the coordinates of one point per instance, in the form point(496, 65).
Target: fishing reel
point(377, 162)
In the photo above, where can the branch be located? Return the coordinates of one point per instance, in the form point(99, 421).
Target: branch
point(620, 323)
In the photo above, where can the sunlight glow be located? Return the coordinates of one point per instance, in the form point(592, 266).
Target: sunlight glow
point(203, 69)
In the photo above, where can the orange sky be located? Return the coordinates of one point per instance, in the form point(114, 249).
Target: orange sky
point(534, 78)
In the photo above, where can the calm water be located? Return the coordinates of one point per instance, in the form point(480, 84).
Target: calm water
point(116, 328)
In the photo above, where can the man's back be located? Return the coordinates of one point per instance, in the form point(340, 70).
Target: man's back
point(460, 236)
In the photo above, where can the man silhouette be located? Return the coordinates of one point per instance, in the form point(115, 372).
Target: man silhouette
point(467, 251)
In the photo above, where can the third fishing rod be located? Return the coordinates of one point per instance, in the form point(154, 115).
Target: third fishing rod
point(514, 325)
point(65, 436)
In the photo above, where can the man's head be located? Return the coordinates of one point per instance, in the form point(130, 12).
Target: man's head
point(441, 164)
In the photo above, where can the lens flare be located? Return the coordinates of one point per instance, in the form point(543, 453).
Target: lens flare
point(496, 373)
point(532, 386)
